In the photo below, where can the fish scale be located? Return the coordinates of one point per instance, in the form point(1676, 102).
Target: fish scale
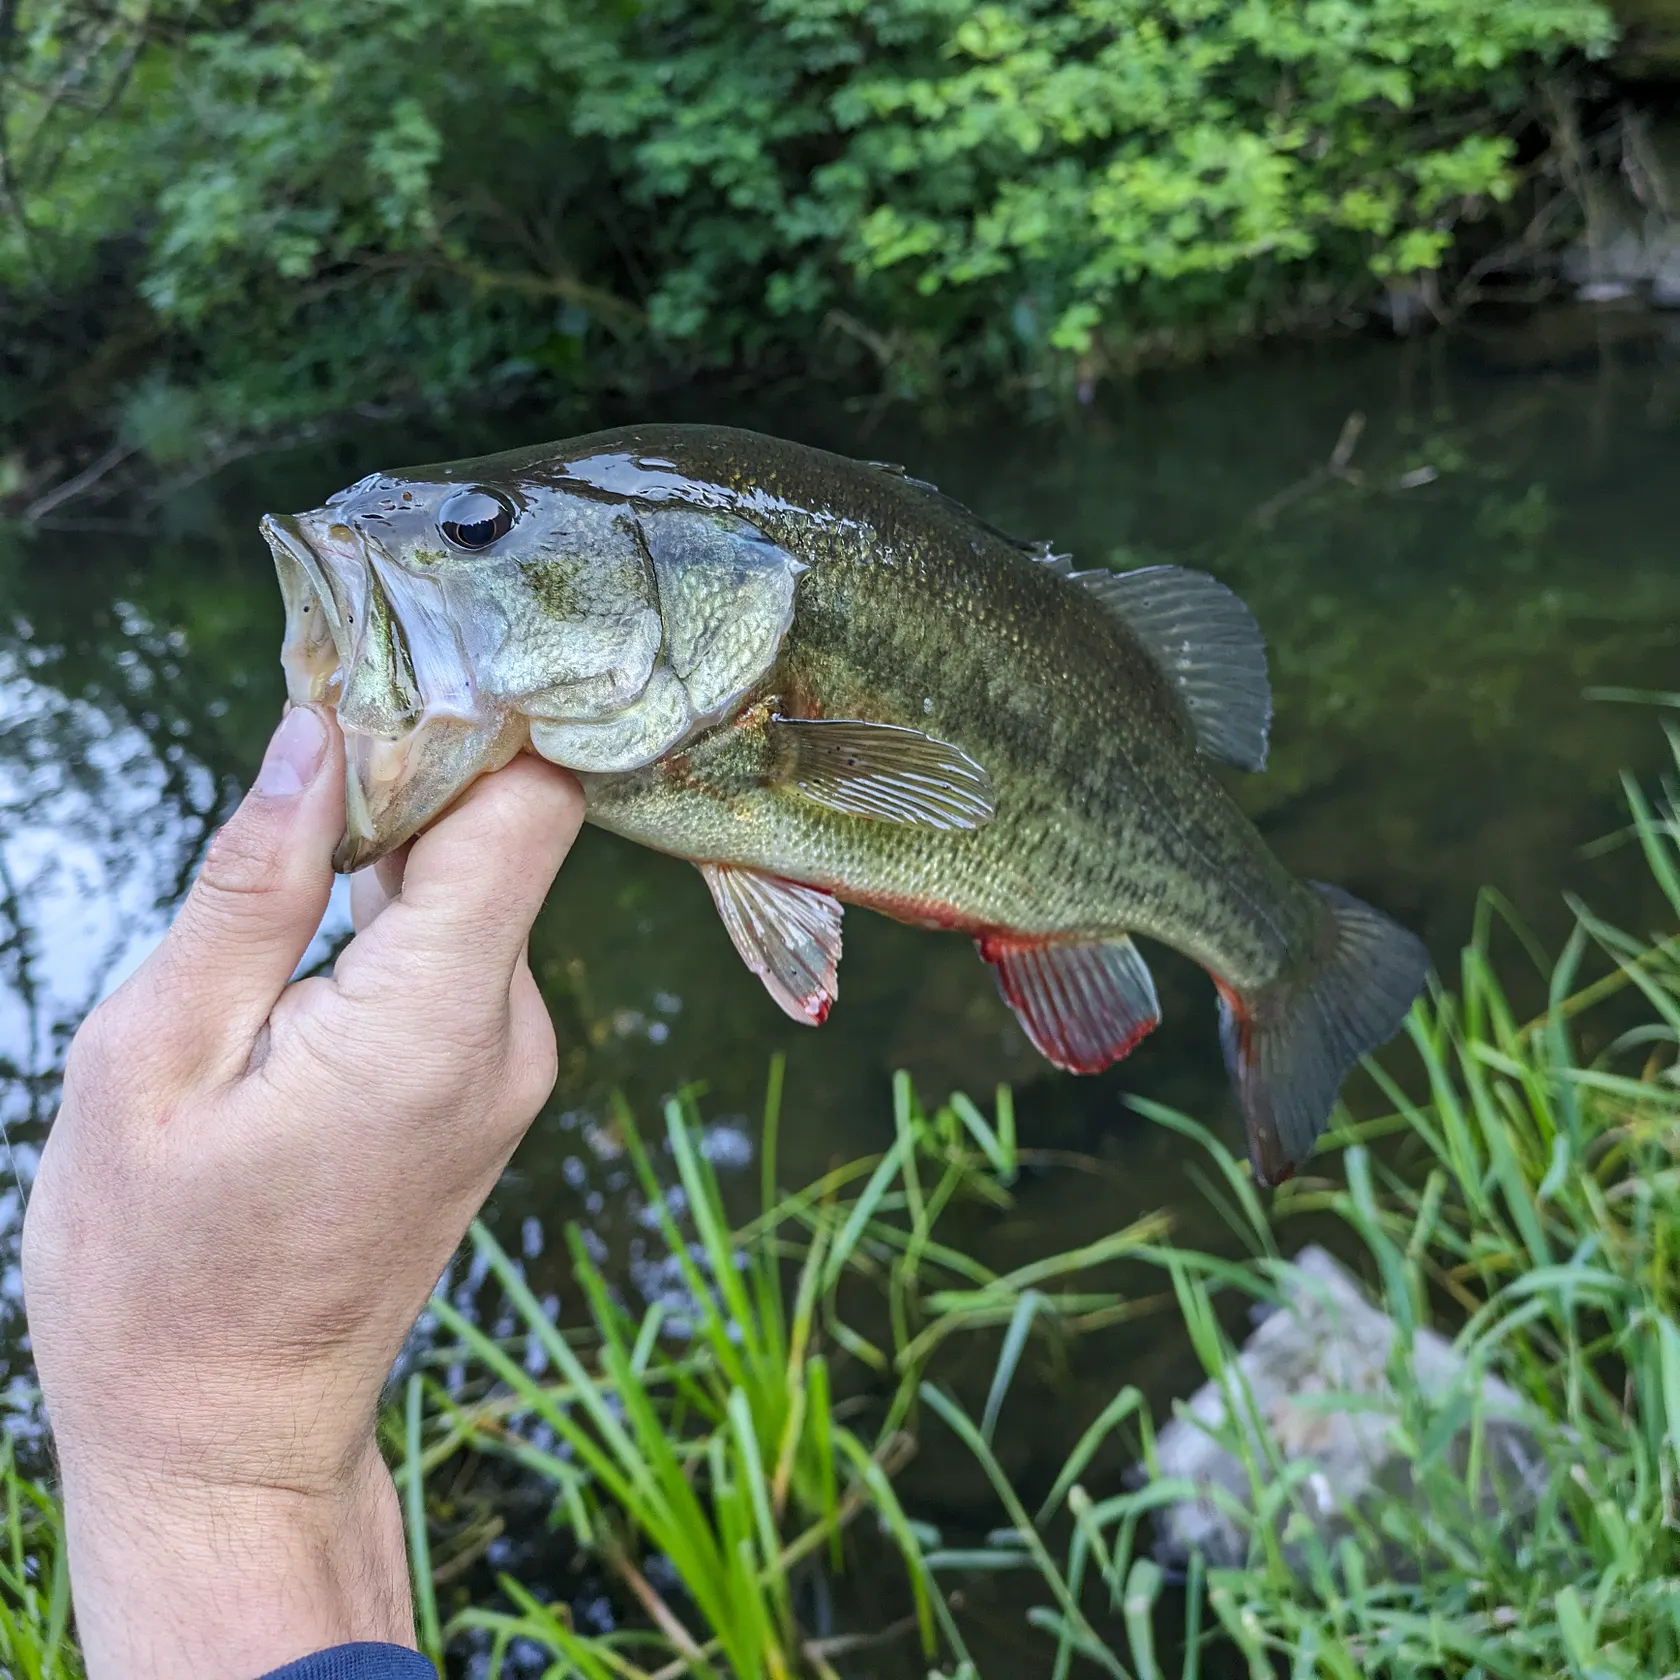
point(863, 693)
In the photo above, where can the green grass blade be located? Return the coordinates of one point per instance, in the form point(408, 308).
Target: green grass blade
point(419, 1544)
point(1030, 1305)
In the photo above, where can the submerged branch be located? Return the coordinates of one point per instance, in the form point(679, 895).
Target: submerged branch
point(607, 307)
point(79, 482)
point(647, 1595)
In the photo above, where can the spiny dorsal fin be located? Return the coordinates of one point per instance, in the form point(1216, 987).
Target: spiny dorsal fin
point(883, 771)
point(1207, 643)
point(1038, 550)
point(897, 469)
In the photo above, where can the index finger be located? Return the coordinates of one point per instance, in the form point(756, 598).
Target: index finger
point(474, 882)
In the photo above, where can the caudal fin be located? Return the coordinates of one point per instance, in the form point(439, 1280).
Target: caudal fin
point(1290, 1045)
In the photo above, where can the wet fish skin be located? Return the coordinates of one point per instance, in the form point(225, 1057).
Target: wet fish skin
point(915, 613)
point(850, 592)
point(437, 658)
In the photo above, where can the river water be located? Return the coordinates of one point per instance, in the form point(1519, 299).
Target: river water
point(1447, 545)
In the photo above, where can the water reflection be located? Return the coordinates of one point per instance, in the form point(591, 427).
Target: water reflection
point(1438, 584)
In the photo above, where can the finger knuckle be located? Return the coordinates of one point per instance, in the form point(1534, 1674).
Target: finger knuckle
point(242, 860)
point(533, 1067)
point(130, 1055)
point(95, 1050)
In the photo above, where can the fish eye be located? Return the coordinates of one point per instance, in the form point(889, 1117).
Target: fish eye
point(475, 518)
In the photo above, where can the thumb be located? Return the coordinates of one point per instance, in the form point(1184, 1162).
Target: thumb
point(258, 899)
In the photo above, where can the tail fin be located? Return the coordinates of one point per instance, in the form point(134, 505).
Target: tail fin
point(1290, 1045)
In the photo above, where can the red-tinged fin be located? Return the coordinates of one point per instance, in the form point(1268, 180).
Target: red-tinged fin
point(1084, 1005)
point(1290, 1045)
point(787, 934)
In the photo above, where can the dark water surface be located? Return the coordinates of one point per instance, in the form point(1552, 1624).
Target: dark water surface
point(1493, 542)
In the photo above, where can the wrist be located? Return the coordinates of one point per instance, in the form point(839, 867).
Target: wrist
point(173, 1576)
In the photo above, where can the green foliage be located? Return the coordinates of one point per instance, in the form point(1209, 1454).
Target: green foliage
point(722, 1450)
point(312, 204)
point(723, 1457)
point(34, 1579)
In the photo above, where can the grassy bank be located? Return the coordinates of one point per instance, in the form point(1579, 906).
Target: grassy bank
point(1528, 1209)
point(715, 1472)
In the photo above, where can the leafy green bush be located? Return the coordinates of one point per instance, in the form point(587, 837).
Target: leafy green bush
point(318, 203)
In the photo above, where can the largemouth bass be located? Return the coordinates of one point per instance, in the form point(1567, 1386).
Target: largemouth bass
point(822, 681)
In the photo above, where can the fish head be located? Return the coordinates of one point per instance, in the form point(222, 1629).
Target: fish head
point(453, 617)
point(435, 616)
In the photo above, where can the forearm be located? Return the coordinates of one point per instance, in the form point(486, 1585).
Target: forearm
point(187, 1579)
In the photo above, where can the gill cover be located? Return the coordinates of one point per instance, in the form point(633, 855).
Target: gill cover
point(725, 600)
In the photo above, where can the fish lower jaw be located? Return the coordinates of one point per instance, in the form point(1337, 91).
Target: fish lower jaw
point(394, 787)
point(359, 844)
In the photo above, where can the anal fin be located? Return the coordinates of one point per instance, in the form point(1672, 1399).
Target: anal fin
point(1084, 1005)
point(787, 934)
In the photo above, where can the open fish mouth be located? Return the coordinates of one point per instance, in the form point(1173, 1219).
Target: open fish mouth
point(369, 643)
point(315, 648)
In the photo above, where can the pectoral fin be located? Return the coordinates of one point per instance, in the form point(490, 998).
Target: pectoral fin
point(880, 770)
point(1083, 1005)
point(787, 934)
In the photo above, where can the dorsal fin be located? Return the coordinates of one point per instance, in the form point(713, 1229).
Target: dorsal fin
point(1207, 643)
point(898, 470)
point(1038, 550)
point(1201, 635)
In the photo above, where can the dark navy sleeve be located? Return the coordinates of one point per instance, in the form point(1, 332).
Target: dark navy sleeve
point(358, 1662)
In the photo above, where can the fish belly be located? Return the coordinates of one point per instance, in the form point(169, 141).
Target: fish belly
point(1043, 868)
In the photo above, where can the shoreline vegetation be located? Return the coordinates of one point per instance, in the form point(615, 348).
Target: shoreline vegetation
point(714, 1469)
point(226, 225)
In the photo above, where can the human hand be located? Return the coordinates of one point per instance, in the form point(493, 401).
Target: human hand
point(249, 1192)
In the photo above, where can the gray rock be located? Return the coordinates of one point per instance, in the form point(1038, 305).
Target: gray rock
point(1327, 1339)
point(1665, 282)
point(1618, 254)
point(1605, 291)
